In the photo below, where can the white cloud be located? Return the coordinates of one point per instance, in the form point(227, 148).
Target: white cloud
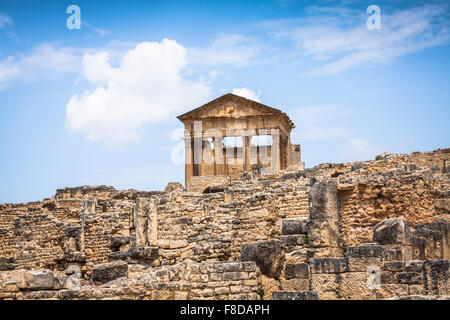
point(101, 32)
point(323, 122)
point(8, 71)
point(45, 61)
point(339, 38)
point(146, 87)
point(5, 20)
point(51, 61)
point(247, 93)
point(225, 49)
point(358, 149)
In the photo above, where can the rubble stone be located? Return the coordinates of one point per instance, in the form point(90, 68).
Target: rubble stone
point(268, 256)
point(106, 272)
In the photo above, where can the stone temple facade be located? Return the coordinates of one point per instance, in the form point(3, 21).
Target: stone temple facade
point(377, 229)
point(210, 160)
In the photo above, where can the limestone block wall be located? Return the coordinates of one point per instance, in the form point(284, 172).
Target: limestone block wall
point(366, 200)
point(348, 277)
point(307, 215)
point(189, 280)
point(383, 162)
point(199, 183)
point(98, 229)
point(402, 262)
point(216, 225)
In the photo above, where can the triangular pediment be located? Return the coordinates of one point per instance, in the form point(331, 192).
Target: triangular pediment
point(229, 105)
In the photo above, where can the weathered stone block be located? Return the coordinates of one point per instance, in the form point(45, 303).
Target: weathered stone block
point(414, 266)
point(397, 252)
point(362, 264)
point(147, 254)
point(294, 295)
point(323, 233)
point(295, 285)
point(242, 296)
point(328, 265)
point(323, 200)
point(6, 263)
point(393, 266)
point(365, 250)
point(292, 226)
point(416, 289)
point(362, 256)
point(388, 277)
point(235, 276)
point(431, 241)
point(67, 294)
point(232, 267)
point(296, 270)
point(392, 231)
point(324, 252)
point(410, 278)
point(39, 295)
point(443, 204)
point(291, 242)
point(436, 275)
point(326, 285)
point(72, 231)
point(387, 291)
point(180, 295)
point(215, 276)
point(9, 287)
point(176, 244)
point(354, 286)
point(106, 272)
point(268, 256)
point(297, 256)
point(221, 290)
point(408, 166)
point(37, 279)
point(249, 266)
point(118, 241)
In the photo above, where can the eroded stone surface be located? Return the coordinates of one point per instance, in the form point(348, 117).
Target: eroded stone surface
point(392, 231)
point(269, 256)
point(106, 272)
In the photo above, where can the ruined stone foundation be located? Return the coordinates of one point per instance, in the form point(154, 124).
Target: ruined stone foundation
point(365, 230)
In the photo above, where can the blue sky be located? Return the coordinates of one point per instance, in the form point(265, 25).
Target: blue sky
point(97, 105)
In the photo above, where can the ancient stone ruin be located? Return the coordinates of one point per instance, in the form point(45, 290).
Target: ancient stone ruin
point(374, 229)
point(207, 128)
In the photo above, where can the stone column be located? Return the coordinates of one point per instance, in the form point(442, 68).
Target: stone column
point(246, 144)
point(152, 224)
point(323, 230)
point(198, 148)
point(140, 222)
point(275, 150)
point(189, 158)
point(218, 155)
point(146, 221)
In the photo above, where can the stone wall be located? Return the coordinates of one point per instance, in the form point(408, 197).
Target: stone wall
point(200, 183)
point(215, 226)
point(405, 191)
point(304, 234)
point(186, 281)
